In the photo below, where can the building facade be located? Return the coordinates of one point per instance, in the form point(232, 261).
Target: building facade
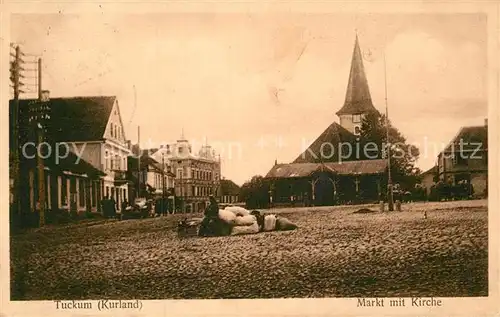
point(91, 129)
point(197, 176)
point(50, 173)
point(428, 179)
point(155, 180)
point(465, 159)
point(229, 192)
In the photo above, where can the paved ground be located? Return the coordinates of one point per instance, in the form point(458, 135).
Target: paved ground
point(334, 253)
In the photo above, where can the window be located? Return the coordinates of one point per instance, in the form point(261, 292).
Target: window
point(179, 172)
point(112, 130)
point(111, 163)
point(180, 150)
point(81, 192)
point(107, 191)
point(462, 159)
point(357, 130)
point(94, 194)
point(106, 166)
point(356, 118)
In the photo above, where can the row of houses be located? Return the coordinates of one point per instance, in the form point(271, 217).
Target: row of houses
point(87, 157)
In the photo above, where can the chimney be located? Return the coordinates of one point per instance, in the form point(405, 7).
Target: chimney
point(486, 122)
point(45, 95)
point(129, 144)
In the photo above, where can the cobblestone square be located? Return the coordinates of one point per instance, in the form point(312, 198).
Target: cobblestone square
point(333, 253)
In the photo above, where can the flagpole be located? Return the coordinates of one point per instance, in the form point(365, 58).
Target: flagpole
point(390, 196)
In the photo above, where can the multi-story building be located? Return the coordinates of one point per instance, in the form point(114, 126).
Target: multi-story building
point(86, 161)
point(465, 158)
point(155, 179)
point(197, 175)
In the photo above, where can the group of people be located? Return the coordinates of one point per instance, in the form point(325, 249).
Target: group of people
point(109, 207)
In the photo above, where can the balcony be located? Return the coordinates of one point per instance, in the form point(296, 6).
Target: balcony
point(120, 177)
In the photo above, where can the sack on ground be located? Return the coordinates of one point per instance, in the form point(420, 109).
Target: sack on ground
point(238, 211)
point(245, 220)
point(239, 230)
point(284, 224)
point(269, 222)
point(227, 216)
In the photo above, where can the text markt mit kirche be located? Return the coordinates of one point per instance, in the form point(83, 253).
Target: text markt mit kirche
point(399, 302)
point(103, 304)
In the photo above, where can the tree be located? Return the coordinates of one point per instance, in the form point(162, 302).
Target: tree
point(403, 155)
point(255, 192)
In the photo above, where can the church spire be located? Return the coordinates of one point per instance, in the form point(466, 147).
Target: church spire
point(358, 99)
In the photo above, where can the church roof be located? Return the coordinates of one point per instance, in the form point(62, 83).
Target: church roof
point(331, 138)
point(293, 170)
point(358, 99)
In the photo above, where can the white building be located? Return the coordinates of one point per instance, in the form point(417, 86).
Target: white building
point(197, 175)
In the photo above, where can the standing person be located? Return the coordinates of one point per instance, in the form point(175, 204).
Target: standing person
point(124, 208)
point(104, 207)
point(112, 207)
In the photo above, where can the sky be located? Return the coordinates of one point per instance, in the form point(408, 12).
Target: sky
point(261, 87)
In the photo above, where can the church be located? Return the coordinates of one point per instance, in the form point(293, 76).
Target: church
point(331, 171)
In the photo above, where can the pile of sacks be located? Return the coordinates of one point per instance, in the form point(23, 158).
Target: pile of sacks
point(244, 221)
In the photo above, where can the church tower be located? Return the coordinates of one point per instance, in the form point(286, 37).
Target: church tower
point(358, 101)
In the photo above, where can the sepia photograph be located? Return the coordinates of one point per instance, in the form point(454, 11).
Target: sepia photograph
point(248, 155)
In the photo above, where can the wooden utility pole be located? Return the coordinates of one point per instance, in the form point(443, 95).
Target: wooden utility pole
point(163, 183)
point(138, 162)
point(390, 196)
point(40, 162)
point(15, 77)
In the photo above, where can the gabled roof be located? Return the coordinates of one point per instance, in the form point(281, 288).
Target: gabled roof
point(76, 118)
point(358, 99)
point(228, 187)
point(472, 138)
point(334, 136)
point(297, 170)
